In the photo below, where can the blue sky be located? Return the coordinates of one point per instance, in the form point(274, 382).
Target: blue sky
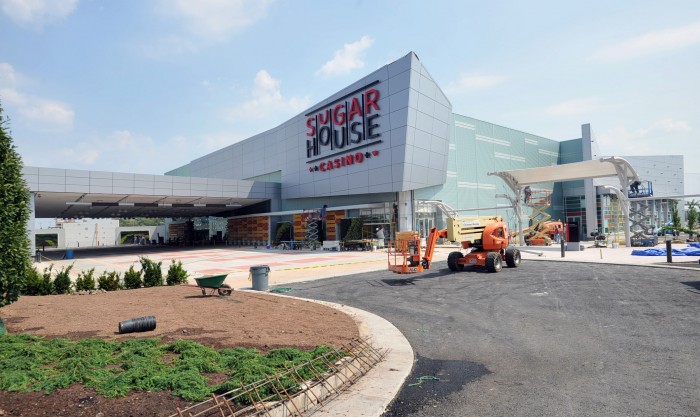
point(146, 86)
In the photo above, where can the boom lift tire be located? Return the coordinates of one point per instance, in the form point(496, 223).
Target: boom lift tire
point(494, 263)
point(453, 261)
point(513, 257)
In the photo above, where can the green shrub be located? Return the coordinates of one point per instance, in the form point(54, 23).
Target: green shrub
point(62, 283)
point(355, 230)
point(32, 283)
point(15, 208)
point(284, 232)
point(132, 279)
point(109, 281)
point(85, 281)
point(176, 274)
point(39, 284)
point(152, 274)
point(115, 368)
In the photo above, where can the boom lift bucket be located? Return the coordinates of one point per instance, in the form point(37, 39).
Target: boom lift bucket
point(404, 255)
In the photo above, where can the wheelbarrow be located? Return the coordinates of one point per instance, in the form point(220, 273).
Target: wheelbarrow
point(214, 283)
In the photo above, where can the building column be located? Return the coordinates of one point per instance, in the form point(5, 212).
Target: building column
point(589, 188)
point(406, 211)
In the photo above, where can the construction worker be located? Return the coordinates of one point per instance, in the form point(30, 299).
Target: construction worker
point(634, 187)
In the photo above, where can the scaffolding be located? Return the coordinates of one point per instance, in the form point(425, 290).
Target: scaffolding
point(642, 222)
point(617, 219)
point(312, 218)
point(539, 200)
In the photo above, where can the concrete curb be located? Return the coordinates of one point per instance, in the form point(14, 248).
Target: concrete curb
point(371, 395)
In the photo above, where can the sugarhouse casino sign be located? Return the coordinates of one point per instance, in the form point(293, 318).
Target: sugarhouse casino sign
point(343, 132)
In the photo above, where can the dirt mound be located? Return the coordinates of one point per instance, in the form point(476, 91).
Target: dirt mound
point(245, 319)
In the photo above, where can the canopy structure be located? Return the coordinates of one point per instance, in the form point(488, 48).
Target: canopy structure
point(598, 168)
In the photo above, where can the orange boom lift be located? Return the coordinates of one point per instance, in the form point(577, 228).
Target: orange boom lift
point(484, 240)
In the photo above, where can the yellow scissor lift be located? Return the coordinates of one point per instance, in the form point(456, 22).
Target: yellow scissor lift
point(537, 234)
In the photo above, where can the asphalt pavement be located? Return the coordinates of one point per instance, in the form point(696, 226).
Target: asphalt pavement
point(545, 339)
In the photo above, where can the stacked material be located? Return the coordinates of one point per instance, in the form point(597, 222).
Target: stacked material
point(693, 249)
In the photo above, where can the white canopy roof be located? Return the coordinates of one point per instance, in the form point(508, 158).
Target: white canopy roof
point(604, 167)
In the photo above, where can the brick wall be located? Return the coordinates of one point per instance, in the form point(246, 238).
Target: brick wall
point(333, 219)
point(248, 229)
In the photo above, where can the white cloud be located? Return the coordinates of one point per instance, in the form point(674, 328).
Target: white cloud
point(467, 83)
point(576, 107)
point(666, 136)
point(42, 114)
point(217, 19)
point(267, 100)
point(215, 141)
point(8, 76)
point(347, 59)
point(670, 125)
point(37, 12)
point(126, 151)
point(49, 114)
point(651, 43)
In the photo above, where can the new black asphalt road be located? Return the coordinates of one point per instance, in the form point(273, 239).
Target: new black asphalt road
point(545, 339)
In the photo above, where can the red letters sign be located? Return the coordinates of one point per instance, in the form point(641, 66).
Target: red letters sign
point(336, 132)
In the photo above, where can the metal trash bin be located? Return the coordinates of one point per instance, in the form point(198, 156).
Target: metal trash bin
point(259, 275)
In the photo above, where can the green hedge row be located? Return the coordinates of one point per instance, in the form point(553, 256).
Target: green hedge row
point(150, 275)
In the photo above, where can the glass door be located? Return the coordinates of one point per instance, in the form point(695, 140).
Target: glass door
point(574, 228)
point(424, 226)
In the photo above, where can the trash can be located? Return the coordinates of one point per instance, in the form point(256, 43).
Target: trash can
point(69, 254)
point(259, 276)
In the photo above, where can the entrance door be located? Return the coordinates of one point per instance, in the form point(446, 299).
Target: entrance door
point(424, 226)
point(575, 220)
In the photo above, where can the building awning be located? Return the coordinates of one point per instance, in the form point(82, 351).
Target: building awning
point(70, 193)
point(598, 168)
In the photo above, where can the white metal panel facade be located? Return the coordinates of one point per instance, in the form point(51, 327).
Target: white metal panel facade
point(387, 132)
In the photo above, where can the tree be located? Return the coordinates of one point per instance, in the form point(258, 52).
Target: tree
point(693, 216)
point(355, 230)
point(15, 261)
point(141, 221)
point(675, 215)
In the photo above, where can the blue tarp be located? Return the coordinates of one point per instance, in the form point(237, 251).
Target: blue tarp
point(691, 250)
point(694, 244)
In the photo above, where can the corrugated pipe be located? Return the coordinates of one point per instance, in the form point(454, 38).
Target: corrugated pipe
point(139, 324)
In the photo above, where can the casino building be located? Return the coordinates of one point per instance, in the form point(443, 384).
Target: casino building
point(387, 150)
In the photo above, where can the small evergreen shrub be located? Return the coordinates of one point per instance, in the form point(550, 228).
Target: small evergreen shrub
point(355, 230)
point(33, 283)
point(39, 284)
point(176, 274)
point(109, 281)
point(62, 283)
point(284, 232)
point(152, 274)
point(85, 281)
point(132, 279)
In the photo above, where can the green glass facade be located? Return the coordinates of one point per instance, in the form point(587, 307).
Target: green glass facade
point(477, 148)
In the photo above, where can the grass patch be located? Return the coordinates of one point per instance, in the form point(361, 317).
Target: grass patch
point(114, 368)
